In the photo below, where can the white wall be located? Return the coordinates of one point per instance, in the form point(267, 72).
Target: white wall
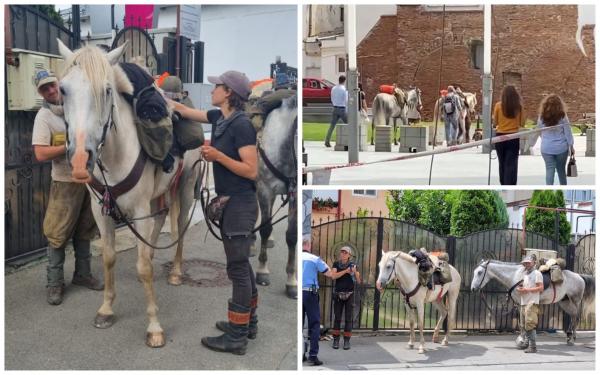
point(368, 15)
point(248, 38)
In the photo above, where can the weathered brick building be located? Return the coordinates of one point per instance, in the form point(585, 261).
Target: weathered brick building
point(533, 47)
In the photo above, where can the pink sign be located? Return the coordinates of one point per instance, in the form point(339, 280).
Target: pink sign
point(139, 15)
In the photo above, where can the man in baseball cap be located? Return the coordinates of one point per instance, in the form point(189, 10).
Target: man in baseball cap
point(236, 81)
point(530, 291)
point(46, 84)
point(43, 77)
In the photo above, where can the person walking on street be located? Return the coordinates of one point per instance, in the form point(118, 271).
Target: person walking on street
point(235, 167)
point(508, 118)
point(451, 108)
point(339, 100)
point(346, 276)
point(530, 301)
point(557, 144)
point(69, 213)
point(312, 265)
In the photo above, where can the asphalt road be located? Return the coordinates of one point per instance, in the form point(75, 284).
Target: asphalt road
point(465, 352)
point(43, 337)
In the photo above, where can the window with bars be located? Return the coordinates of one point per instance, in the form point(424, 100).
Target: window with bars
point(365, 193)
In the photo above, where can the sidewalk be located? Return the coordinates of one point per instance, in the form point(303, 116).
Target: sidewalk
point(465, 352)
point(43, 337)
point(465, 167)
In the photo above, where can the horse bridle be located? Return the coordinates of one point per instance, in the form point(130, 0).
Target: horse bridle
point(504, 306)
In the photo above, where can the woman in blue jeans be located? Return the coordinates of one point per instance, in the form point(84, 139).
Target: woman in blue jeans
point(557, 144)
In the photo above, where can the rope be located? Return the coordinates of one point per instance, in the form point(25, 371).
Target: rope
point(433, 142)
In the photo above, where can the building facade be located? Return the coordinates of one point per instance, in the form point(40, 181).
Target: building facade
point(533, 47)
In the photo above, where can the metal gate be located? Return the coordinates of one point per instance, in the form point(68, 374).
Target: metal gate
point(369, 236)
point(141, 45)
point(27, 182)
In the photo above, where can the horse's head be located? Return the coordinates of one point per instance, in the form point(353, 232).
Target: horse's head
point(387, 266)
point(87, 88)
point(480, 276)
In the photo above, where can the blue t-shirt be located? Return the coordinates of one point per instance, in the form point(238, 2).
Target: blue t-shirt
point(311, 266)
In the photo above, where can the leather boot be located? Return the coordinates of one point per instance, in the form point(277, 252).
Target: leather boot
point(236, 340)
point(336, 342)
point(83, 269)
point(346, 342)
point(252, 326)
point(55, 275)
point(532, 345)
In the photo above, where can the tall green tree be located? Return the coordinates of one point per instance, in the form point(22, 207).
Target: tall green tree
point(472, 211)
point(50, 11)
point(436, 210)
point(543, 221)
point(501, 213)
point(404, 205)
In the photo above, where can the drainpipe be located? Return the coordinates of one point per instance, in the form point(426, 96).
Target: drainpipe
point(339, 208)
point(488, 78)
point(177, 35)
point(10, 60)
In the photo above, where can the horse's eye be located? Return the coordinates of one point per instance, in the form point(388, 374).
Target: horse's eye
point(108, 91)
point(62, 91)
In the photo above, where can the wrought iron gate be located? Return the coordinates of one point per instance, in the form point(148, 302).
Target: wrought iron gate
point(369, 236)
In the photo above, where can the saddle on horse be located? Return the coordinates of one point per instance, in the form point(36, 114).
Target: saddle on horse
point(433, 270)
point(259, 108)
point(551, 269)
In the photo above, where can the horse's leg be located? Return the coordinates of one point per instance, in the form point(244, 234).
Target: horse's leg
point(395, 130)
point(420, 323)
point(571, 309)
point(451, 299)
point(266, 207)
point(291, 238)
point(441, 308)
point(105, 315)
point(411, 325)
point(180, 211)
point(155, 337)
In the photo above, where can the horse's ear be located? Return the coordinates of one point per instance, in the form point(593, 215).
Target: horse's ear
point(64, 50)
point(114, 55)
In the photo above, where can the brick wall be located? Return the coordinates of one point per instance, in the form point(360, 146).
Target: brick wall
point(533, 46)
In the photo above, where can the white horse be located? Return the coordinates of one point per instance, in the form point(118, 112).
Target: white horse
point(387, 107)
point(570, 294)
point(402, 267)
point(100, 126)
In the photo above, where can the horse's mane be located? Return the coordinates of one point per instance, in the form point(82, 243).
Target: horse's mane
point(400, 254)
point(92, 61)
point(503, 263)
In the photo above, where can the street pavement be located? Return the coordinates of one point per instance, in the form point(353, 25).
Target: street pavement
point(465, 352)
point(465, 167)
point(43, 337)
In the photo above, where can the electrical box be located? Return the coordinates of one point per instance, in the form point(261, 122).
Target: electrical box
point(22, 93)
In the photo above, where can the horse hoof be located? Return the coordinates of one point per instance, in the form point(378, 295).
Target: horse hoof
point(155, 339)
point(421, 351)
point(263, 279)
point(410, 346)
point(291, 291)
point(435, 340)
point(270, 244)
point(104, 321)
point(445, 343)
point(570, 343)
point(174, 280)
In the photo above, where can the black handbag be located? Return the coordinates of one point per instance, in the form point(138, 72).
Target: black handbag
point(216, 208)
point(572, 167)
point(343, 296)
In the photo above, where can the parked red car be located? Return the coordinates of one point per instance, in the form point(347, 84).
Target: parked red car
point(316, 90)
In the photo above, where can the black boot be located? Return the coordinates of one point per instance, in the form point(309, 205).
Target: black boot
point(236, 340)
point(336, 342)
point(252, 326)
point(346, 342)
point(55, 287)
point(532, 344)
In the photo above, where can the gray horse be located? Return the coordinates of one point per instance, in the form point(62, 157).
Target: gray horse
point(277, 139)
point(387, 107)
point(574, 294)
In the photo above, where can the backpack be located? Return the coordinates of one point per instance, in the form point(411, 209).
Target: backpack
point(448, 105)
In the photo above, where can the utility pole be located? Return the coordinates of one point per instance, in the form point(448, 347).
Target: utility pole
point(488, 78)
point(352, 82)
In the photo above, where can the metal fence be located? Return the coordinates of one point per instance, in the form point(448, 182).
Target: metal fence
point(371, 235)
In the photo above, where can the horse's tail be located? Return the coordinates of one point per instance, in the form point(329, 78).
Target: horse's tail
point(376, 110)
point(589, 295)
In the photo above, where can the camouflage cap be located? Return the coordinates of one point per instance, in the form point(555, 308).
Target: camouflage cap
point(43, 77)
point(528, 259)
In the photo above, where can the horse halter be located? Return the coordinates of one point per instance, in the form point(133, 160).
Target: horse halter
point(487, 263)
